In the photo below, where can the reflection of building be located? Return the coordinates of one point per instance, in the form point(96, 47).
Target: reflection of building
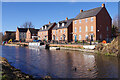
point(31, 34)
point(45, 32)
point(21, 34)
point(63, 31)
point(93, 24)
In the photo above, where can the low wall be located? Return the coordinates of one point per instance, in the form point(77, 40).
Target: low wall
point(66, 45)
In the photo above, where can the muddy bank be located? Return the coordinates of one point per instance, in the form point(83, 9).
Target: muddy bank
point(8, 72)
point(109, 49)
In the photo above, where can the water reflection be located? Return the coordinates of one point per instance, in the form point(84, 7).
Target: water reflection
point(61, 63)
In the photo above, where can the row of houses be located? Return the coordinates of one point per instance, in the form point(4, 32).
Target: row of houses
point(93, 24)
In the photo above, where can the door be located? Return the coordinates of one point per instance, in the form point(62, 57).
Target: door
point(75, 38)
point(91, 37)
point(54, 37)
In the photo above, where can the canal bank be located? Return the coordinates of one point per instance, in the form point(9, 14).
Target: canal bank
point(8, 72)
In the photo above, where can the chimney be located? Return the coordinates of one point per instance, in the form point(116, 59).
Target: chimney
point(81, 10)
point(103, 5)
point(66, 18)
point(49, 22)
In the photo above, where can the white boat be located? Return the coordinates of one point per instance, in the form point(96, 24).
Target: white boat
point(89, 46)
point(54, 48)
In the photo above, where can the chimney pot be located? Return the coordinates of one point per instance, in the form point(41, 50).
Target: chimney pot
point(103, 5)
point(49, 22)
point(66, 18)
point(81, 10)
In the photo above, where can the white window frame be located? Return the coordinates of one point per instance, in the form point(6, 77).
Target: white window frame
point(64, 30)
point(86, 36)
point(75, 29)
point(91, 28)
point(53, 32)
point(79, 21)
point(56, 38)
point(75, 22)
point(86, 20)
point(58, 24)
point(86, 29)
point(79, 37)
point(63, 24)
point(80, 29)
point(91, 19)
point(61, 31)
point(56, 31)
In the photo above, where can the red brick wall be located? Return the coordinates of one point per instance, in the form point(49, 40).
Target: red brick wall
point(103, 20)
point(59, 34)
point(83, 25)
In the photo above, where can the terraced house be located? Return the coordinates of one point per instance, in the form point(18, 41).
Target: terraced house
point(31, 34)
point(93, 24)
point(63, 31)
point(21, 34)
point(45, 32)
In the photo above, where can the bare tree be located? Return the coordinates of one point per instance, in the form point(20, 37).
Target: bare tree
point(28, 25)
point(115, 21)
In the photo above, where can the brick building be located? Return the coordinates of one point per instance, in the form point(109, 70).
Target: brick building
point(21, 34)
point(31, 34)
point(63, 31)
point(9, 32)
point(45, 32)
point(93, 24)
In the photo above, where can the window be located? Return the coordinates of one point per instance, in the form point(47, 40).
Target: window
point(53, 32)
point(91, 19)
point(100, 36)
point(86, 20)
point(91, 28)
point(58, 24)
point(56, 31)
point(61, 31)
point(79, 37)
point(86, 37)
point(86, 29)
point(62, 24)
point(60, 37)
point(56, 38)
point(75, 22)
point(75, 30)
point(79, 21)
point(107, 28)
point(64, 31)
point(80, 29)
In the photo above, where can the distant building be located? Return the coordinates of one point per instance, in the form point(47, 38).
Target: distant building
point(45, 32)
point(93, 24)
point(9, 32)
point(21, 34)
point(31, 34)
point(63, 30)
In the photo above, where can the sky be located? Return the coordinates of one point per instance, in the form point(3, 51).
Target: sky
point(39, 13)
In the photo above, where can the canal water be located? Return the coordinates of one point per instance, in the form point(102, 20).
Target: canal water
point(61, 63)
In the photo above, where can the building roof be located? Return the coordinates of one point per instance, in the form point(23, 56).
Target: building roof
point(48, 27)
point(88, 13)
point(33, 31)
point(22, 29)
point(67, 23)
point(10, 31)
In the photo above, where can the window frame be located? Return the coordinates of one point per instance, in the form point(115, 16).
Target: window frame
point(80, 37)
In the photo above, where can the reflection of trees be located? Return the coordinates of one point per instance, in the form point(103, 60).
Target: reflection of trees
point(107, 66)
